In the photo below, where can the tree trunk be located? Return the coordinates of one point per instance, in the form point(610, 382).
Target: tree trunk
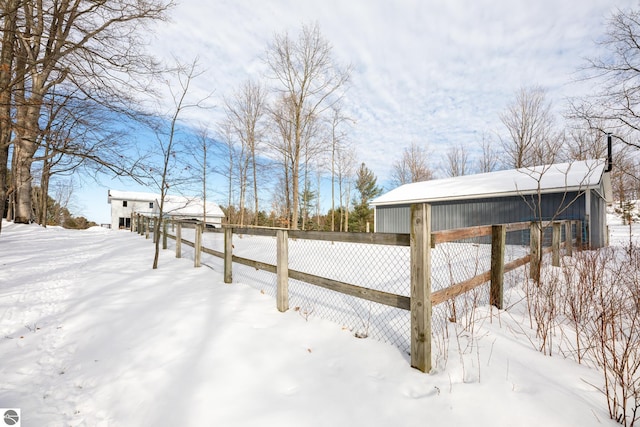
point(333, 184)
point(44, 187)
point(25, 148)
point(6, 66)
point(255, 184)
point(4, 159)
point(22, 179)
point(287, 191)
point(295, 185)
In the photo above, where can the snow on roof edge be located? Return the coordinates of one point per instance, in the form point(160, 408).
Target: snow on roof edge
point(574, 176)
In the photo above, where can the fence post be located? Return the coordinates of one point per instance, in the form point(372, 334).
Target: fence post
point(164, 234)
point(140, 225)
point(579, 235)
point(282, 270)
point(555, 244)
point(535, 232)
point(228, 255)
point(179, 241)
point(197, 257)
point(147, 224)
point(568, 238)
point(132, 224)
point(421, 286)
point(498, 240)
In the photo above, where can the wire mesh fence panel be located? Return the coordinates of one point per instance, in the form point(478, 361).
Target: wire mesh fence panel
point(460, 309)
point(257, 248)
point(379, 267)
point(361, 317)
point(462, 260)
point(384, 268)
point(213, 240)
point(454, 262)
point(261, 280)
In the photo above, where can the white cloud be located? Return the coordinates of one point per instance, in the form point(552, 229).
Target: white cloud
point(439, 72)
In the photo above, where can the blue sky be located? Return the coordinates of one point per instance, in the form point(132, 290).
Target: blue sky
point(431, 72)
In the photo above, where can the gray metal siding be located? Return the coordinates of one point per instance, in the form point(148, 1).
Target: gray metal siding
point(495, 210)
point(393, 219)
point(598, 221)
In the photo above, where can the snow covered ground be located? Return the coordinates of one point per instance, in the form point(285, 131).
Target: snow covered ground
point(91, 335)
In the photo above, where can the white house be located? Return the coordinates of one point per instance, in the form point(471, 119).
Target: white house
point(125, 203)
point(180, 207)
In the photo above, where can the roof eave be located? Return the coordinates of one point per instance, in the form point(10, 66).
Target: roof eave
point(487, 195)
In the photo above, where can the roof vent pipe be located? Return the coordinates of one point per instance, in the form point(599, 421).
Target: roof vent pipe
point(609, 155)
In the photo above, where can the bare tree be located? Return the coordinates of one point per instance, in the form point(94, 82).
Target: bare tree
point(345, 169)
point(167, 144)
point(9, 23)
point(586, 143)
point(412, 166)
point(227, 150)
point(244, 113)
point(200, 154)
point(545, 212)
point(624, 175)
point(76, 133)
point(93, 46)
point(532, 139)
point(314, 146)
point(614, 106)
point(338, 141)
point(489, 158)
point(310, 81)
point(281, 142)
point(457, 161)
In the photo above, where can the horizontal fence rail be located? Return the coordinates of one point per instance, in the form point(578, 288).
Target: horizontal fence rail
point(436, 264)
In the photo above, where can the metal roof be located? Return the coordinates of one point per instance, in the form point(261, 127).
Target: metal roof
point(132, 195)
point(561, 177)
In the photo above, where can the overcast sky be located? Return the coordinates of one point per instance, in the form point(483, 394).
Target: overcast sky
point(435, 72)
point(438, 72)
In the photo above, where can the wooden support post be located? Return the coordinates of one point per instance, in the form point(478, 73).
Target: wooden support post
point(132, 224)
point(147, 224)
point(421, 287)
point(568, 238)
point(536, 250)
point(228, 255)
point(164, 234)
point(282, 270)
point(579, 235)
point(197, 256)
point(498, 240)
point(555, 244)
point(179, 241)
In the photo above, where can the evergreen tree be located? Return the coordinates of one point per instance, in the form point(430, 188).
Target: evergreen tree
point(367, 188)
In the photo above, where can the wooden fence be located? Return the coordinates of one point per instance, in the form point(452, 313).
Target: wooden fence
point(420, 240)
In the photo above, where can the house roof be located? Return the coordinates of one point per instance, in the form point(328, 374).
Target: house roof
point(561, 177)
point(131, 195)
point(188, 207)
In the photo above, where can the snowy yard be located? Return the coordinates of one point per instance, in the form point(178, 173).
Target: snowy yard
point(90, 335)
